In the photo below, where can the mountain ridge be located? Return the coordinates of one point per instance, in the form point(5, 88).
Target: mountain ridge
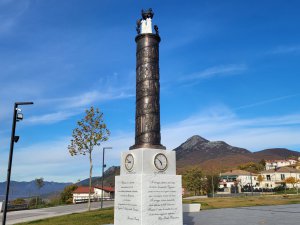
point(25, 189)
point(195, 151)
point(219, 155)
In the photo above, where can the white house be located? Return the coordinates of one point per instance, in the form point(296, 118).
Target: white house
point(276, 177)
point(237, 178)
point(272, 164)
point(81, 194)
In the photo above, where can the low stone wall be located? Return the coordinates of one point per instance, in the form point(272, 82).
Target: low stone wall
point(191, 207)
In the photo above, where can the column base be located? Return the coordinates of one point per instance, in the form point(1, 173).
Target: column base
point(148, 199)
point(147, 146)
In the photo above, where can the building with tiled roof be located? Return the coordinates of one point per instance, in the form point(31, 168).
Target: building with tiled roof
point(272, 164)
point(81, 194)
point(237, 173)
point(234, 180)
point(276, 177)
point(82, 190)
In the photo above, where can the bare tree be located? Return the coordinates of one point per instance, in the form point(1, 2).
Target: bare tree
point(91, 131)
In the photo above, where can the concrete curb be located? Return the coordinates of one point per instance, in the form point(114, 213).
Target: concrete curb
point(191, 207)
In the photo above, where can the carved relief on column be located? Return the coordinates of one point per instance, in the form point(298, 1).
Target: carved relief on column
point(146, 71)
point(147, 129)
point(147, 88)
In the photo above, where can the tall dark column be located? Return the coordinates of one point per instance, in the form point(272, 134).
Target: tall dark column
point(147, 117)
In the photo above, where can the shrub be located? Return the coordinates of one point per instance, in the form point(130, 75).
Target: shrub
point(66, 196)
point(18, 201)
point(35, 202)
point(279, 188)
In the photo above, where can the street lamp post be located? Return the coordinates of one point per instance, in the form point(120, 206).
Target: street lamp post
point(17, 117)
point(213, 188)
point(251, 183)
point(103, 166)
point(250, 167)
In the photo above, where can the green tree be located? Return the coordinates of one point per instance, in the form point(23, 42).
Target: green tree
point(66, 195)
point(194, 180)
point(34, 201)
point(18, 201)
point(262, 162)
point(39, 182)
point(91, 131)
point(212, 183)
point(251, 167)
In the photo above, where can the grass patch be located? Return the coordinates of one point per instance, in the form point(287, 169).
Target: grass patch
point(105, 216)
point(229, 202)
point(97, 217)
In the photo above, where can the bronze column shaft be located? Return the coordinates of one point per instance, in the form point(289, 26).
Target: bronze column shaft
point(147, 118)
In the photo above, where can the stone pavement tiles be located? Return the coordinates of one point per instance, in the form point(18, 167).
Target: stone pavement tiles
point(260, 215)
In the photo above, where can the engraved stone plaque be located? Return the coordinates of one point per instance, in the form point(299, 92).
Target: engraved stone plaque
point(148, 200)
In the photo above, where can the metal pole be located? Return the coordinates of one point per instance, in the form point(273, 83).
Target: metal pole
point(12, 141)
point(213, 188)
point(102, 178)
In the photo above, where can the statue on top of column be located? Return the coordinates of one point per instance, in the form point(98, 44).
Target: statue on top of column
point(144, 25)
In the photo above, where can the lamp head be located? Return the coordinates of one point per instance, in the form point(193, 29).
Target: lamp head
point(16, 138)
point(19, 116)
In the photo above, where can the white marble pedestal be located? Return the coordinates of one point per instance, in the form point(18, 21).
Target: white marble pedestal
point(146, 195)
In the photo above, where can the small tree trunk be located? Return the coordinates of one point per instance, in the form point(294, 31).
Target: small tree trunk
point(90, 182)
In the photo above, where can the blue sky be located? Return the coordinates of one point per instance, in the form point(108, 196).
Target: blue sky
point(229, 71)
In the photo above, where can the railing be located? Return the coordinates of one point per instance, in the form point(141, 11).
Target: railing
point(16, 207)
point(84, 200)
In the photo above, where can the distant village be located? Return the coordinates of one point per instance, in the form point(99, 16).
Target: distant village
point(278, 174)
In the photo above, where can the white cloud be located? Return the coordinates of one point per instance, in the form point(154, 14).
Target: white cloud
point(51, 110)
point(52, 161)
point(91, 97)
point(266, 101)
point(50, 118)
point(222, 70)
point(10, 13)
point(285, 49)
point(72, 106)
point(253, 134)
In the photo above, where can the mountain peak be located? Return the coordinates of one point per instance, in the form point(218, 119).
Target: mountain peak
point(191, 142)
point(196, 139)
point(197, 148)
point(219, 154)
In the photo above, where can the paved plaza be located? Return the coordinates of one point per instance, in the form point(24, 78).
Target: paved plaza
point(259, 215)
point(35, 214)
